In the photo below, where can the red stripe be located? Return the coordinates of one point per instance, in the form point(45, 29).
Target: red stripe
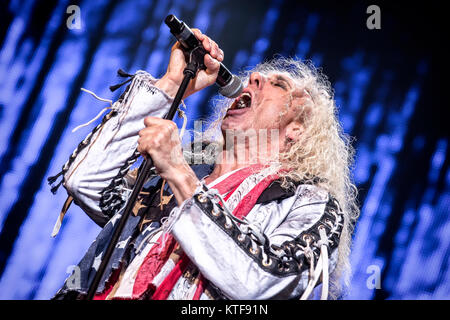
point(230, 193)
point(163, 290)
point(152, 265)
point(200, 287)
point(246, 204)
point(236, 178)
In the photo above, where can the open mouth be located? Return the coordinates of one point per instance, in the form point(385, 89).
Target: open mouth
point(244, 101)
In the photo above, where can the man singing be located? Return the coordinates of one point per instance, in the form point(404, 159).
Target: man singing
point(265, 220)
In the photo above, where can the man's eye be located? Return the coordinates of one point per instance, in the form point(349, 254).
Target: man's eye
point(279, 84)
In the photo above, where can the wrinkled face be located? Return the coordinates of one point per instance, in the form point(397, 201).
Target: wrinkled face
point(268, 102)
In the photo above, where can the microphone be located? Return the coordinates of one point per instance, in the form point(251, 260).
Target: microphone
point(230, 85)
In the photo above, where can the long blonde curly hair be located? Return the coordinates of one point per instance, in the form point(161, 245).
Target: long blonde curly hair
point(324, 154)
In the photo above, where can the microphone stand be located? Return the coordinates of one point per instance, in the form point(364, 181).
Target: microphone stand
point(194, 64)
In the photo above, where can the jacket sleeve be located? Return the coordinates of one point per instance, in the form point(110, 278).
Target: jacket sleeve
point(103, 158)
point(274, 265)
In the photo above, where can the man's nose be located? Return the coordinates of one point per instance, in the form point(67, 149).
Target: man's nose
point(256, 79)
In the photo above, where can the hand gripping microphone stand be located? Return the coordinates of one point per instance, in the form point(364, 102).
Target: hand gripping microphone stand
point(194, 63)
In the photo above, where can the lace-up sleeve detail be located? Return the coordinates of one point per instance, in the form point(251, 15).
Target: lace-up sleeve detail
point(95, 173)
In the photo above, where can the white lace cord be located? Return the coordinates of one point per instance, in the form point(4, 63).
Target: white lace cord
point(313, 281)
point(125, 190)
point(99, 114)
point(256, 232)
point(322, 268)
point(215, 193)
point(310, 255)
point(167, 225)
point(230, 218)
point(325, 271)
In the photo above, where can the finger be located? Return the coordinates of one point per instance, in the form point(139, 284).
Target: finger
point(176, 46)
point(212, 65)
point(206, 42)
point(141, 147)
point(214, 49)
point(221, 55)
point(150, 121)
point(198, 34)
point(148, 131)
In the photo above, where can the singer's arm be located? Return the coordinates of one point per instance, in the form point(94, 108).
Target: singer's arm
point(174, 75)
point(160, 139)
point(100, 161)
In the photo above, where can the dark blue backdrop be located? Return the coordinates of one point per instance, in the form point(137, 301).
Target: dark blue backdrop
point(384, 89)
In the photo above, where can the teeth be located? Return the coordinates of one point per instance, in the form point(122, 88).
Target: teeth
point(244, 101)
point(241, 104)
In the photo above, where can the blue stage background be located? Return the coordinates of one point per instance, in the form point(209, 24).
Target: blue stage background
point(385, 84)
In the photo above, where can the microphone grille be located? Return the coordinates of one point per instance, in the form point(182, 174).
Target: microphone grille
point(233, 88)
